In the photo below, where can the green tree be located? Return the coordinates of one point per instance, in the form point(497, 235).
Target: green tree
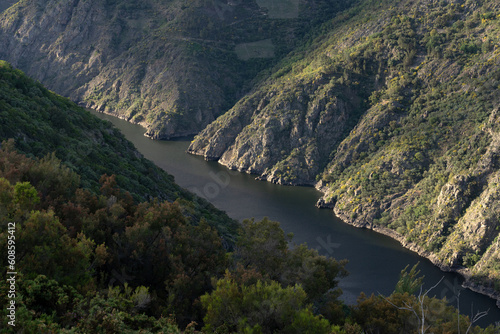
point(263, 307)
point(25, 196)
point(408, 281)
point(45, 248)
point(262, 246)
point(55, 181)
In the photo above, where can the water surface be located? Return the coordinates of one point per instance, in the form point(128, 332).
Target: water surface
point(375, 260)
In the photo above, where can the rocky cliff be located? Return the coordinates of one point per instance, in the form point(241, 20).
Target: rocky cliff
point(285, 134)
point(171, 66)
point(390, 107)
point(393, 114)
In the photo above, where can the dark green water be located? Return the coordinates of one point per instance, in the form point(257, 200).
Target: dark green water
point(375, 260)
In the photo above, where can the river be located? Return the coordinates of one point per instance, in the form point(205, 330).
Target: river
point(375, 260)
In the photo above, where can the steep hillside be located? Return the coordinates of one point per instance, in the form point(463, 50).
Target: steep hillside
point(171, 66)
point(393, 114)
point(41, 122)
point(83, 262)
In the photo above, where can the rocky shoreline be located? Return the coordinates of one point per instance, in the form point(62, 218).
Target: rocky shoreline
point(464, 272)
point(322, 204)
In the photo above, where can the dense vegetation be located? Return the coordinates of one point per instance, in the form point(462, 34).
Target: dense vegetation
point(94, 259)
point(100, 263)
point(42, 122)
point(391, 108)
point(393, 113)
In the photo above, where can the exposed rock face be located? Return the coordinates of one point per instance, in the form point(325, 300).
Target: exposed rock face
point(397, 123)
point(113, 58)
point(392, 111)
point(286, 135)
point(171, 66)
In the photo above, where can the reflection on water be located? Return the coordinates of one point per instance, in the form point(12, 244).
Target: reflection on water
point(375, 260)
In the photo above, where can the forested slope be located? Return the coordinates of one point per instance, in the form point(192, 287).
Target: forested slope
point(89, 262)
point(41, 123)
point(391, 108)
point(95, 259)
point(393, 113)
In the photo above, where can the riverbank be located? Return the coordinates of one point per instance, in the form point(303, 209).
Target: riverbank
point(462, 271)
point(375, 260)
